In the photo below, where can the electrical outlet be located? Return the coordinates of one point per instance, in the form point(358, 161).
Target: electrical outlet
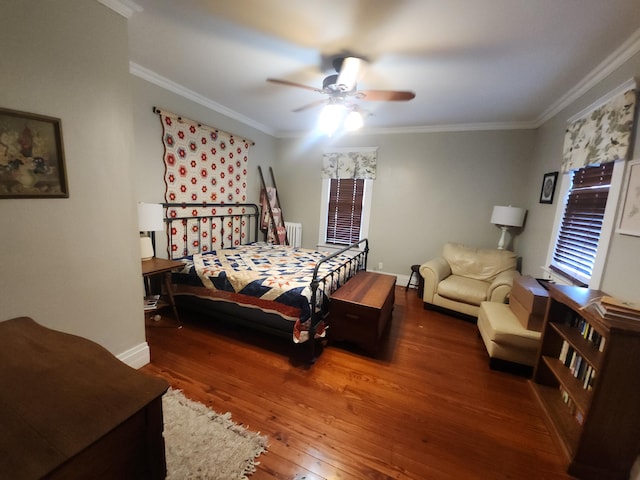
point(380, 265)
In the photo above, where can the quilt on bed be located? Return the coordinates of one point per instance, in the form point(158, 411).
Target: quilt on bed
point(267, 274)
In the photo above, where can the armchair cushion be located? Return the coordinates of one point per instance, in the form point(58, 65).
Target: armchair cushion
point(463, 289)
point(463, 277)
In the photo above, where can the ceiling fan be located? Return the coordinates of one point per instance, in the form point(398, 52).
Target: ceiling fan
point(343, 84)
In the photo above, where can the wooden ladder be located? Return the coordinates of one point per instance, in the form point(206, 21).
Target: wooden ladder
point(271, 218)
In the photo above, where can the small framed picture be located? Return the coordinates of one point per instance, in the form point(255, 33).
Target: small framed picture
point(31, 156)
point(548, 187)
point(630, 218)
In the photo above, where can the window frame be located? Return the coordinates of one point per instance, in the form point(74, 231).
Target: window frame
point(606, 232)
point(324, 211)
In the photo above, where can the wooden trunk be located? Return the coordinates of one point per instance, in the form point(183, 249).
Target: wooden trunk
point(361, 309)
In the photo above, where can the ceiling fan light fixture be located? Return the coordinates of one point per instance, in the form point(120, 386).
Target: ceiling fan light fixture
point(330, 83)
point(331, 118)
point(353, 121)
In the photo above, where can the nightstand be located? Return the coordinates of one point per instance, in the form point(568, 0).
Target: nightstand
point(161, 267)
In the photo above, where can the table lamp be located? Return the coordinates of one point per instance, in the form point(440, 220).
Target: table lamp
point(150, 220)
point(505, 218)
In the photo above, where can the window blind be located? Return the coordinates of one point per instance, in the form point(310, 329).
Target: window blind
point(345, 210)
point(577, 243)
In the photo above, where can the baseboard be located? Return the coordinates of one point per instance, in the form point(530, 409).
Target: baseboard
point(510, 367)
point(401, 280)
point(137, 356)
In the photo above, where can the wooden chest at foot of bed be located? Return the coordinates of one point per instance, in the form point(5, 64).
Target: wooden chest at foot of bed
point(360, 310)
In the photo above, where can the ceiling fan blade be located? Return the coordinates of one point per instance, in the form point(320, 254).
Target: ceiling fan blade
point(385, 95)
point(294, 84)
point(310, 105)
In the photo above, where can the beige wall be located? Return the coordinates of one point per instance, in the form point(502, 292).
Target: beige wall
point(73, 264)
point(431, 188)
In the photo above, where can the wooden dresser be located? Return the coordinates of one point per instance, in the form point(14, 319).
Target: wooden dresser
point(361, 309)
point(70, 409)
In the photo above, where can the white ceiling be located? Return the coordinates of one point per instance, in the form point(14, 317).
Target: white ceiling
point(471, 63)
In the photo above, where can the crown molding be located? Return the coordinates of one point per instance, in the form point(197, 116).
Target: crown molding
point(460, 127)
point(159, 80)
point(454, 127)
point(126, 8)
point(631, 84)
point(623, 53)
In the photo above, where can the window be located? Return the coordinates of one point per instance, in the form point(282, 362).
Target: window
point(581, 227)
point(344, 215)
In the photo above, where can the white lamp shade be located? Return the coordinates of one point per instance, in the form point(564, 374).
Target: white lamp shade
point(150, 217)
point(330, 118)
point(508, 216)
point(353, 121)
point(146, 248)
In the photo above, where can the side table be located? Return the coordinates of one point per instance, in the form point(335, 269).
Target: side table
point(161, 267)
point(415, 269)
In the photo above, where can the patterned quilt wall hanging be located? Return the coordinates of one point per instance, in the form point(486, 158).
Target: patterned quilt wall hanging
point(203, 165)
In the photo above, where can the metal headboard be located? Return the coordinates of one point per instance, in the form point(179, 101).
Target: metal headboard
point(201, 227)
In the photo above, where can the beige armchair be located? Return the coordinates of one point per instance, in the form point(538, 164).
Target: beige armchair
point(462, 277)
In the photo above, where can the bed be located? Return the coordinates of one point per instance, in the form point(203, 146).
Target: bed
point(230, 274)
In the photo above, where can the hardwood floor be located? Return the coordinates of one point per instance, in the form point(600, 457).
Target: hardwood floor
point(428, 407)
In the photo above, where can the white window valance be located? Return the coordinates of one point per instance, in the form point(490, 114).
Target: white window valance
point(602, 135)
point(350, 163)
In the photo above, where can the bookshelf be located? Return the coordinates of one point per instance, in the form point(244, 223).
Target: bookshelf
point(587, 380)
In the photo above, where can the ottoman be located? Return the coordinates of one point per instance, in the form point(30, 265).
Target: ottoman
point(504, 336)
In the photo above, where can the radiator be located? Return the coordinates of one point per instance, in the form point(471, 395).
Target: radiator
point(294, 233)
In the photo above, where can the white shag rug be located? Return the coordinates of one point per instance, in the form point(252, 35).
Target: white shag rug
point(203, 444)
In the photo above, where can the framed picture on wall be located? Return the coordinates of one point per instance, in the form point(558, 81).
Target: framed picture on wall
point(31, 156)
point(630, 218)
point(548, 187)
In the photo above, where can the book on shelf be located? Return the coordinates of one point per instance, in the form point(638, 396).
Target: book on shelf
point(577, 365)
point(573, 409)
point(589, 378)
point(587, 331)
point(151, 302)
point(615, 309)
point(563, 351)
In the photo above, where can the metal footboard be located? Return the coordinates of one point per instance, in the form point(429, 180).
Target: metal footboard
point(349, 267)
